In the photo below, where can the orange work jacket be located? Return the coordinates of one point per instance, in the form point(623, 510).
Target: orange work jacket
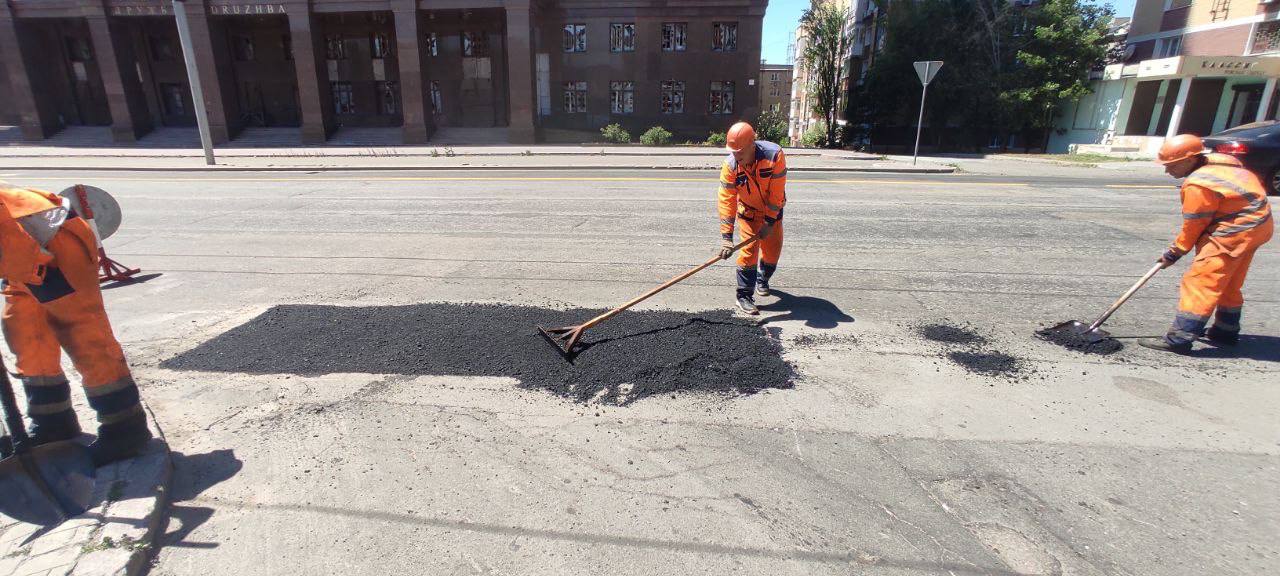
point(755, 192)
point(1223, 201)
point(21, 257)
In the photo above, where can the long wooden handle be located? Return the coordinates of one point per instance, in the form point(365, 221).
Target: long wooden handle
point(667, 284)
point(1132, 290)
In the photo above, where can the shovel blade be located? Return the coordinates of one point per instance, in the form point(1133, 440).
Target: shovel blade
point(47, 484)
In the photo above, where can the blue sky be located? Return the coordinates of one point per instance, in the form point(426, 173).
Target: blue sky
point(782, 16)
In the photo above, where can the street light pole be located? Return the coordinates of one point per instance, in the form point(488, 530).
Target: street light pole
point(193, 77)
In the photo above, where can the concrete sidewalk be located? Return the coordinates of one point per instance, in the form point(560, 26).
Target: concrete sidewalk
point(541, 158)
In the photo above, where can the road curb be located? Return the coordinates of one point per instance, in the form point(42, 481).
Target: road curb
point(843, 169)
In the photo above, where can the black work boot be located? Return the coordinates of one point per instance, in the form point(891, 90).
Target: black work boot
point(1222, 337)
point(1165, 345)
point(49, 406)
point(119, 440)
point(122, 424)
point(6, 447)
point(746, 306)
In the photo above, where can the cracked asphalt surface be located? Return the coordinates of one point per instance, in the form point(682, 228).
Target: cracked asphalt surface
point(886, 457)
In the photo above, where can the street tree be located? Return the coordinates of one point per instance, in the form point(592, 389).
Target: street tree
point(823, 59)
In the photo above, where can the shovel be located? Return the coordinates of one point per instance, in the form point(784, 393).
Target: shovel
point(46, 484)
point(564, 339)
point(1076, 334)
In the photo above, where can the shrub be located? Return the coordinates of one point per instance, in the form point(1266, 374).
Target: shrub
point(616, 133)
point(771, 125)
point(815, 137)
point(717, 139)
point(656, 136)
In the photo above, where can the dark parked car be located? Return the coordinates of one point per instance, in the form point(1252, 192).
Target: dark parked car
point(1257, 146)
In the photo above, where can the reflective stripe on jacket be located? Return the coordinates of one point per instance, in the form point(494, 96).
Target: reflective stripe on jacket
point(755, 192)
point(1221, 199)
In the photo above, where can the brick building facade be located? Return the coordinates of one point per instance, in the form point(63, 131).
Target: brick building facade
point(526, 67)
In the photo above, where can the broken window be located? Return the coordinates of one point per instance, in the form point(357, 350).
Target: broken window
point(672, 97)
point(433, 44)
point(575, 37)
point(721, 99)
point(335, 47)
point(437, 102)
point(622, 97)
point(724, 36)
point(388, 98)
point(622, 37)
point(575, 97)
point(344, 100)
point(379, 46)
point(673, 36)
point(475, 44)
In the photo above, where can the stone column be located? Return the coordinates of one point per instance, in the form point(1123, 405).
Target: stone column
point(521, 94)
point(221, 126)
point(313, 76)
point(129, 118)
point(1267, 92)
point(409, 54)
point(1178, 106)
point(35, 115)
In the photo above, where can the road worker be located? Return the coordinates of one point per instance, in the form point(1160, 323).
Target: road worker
point(753, 184)
point(1225, 218)
point(49, 267)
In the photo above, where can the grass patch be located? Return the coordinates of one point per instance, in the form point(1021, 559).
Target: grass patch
point(109, 543)
point(1087, 158)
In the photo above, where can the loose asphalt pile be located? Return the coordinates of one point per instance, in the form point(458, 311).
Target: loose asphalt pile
point(964, 346)
point(632, 356)
point(1079, 342)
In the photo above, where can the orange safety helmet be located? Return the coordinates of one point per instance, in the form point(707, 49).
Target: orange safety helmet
point(740, 136)
point(1179, 147)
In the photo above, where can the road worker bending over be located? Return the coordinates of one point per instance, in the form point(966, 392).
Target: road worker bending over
point(753, 184)
point(1225, 217)
point(49, 266)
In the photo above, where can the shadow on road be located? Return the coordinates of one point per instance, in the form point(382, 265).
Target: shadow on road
point(131, 281)
point(814, 312)
point(193, 475)
point(1261, 348)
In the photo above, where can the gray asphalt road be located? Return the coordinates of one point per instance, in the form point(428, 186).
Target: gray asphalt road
point(886, 458)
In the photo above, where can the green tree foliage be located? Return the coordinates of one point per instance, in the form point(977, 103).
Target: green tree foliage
point(771, 125)
point(1007, 67)
point(615, 133)
point(825, 45)
point(656, 136)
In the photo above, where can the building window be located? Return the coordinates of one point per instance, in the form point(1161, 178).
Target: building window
point(673, 36)
point(575, 97)
point(575, 37)
point(243, 47)
point(672, 97)
point(78, 50)
point(475, 44)
point(173, 98)
point(774, 77)
point(163, 49)
point(335, 48)
point(437, 101)
point(286, 46)
point(622, 37)
point(622, 97)
point(344, 100)
point(1266, 38)
point(433, 44)
point(379, 46)
point(1168, 47)
point(721, 99)
point(388, 98)
point(724, 36)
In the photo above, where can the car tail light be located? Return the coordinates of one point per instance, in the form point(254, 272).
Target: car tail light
point(1233, 148)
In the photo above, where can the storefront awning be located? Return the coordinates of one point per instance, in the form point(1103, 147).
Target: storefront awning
point(1197, 67)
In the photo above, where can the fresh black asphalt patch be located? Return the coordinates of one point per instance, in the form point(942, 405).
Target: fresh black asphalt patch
point(1080, 342)
point(970, 350)
point(948, 334)
point(632, 356)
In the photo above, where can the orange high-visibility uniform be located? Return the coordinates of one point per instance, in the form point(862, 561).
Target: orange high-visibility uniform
point(753, 197)
point(1226, 217)
point(53, 302)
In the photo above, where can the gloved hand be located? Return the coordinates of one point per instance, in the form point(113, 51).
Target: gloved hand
point(726, 248)
point(1170, 257)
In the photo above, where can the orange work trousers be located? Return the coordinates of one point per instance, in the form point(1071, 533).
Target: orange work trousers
point(66, 312)
point(1212, 285)
point(769, 250)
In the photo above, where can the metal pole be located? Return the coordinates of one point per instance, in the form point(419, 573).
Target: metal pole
point(193, 76)
point(920, 120)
